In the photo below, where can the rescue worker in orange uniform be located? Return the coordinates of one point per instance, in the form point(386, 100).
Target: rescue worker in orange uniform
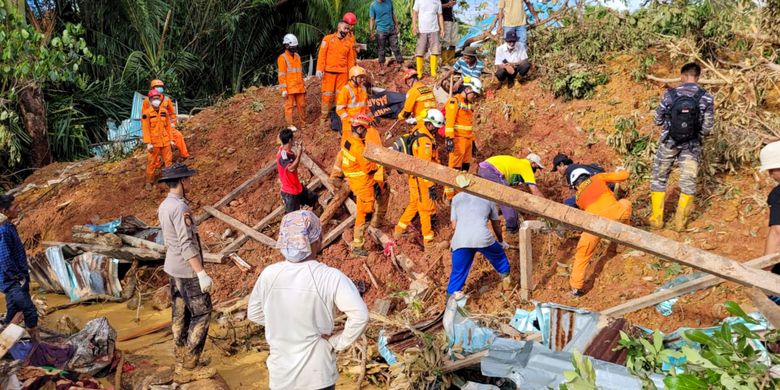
point(459, 126)
point(421, 197)
point(360, 174)
point(156, 129)
point(419, 98)
point(594, 196)
point(167, 105)
point(291, 81)
point(351, 100)
point(351, 19)
point(336, 57)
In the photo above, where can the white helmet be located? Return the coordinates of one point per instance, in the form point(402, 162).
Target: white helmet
point(770, 156)
point(474, 83)
point(575, 174)
point(290, 40)
point(435, 117)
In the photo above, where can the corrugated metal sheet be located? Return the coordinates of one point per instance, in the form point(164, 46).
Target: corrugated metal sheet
point(80, 278)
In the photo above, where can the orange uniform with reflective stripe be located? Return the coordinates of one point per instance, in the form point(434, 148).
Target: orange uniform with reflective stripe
point(335, 58)
point(420, 201)
point(595, 197)
point(176, 136)
point(360, 176)
point(458, 125)
point(350, 101)
point(418, 99)
point(290, 73)
point(156, 129)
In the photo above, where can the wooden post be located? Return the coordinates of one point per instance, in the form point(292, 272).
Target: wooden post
point(662, 247)
point(260, 237)
point(526, 262)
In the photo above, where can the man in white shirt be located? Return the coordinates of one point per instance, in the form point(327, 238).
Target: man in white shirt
point(294, 300)
point(511, 60)
point(428, 25)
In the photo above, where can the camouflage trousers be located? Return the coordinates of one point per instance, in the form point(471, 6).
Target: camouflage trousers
point(687, 157)
point(191, 312)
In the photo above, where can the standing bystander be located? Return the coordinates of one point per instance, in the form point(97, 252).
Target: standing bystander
point(294, 194)
point(382, 18)
point(770, 162)
point(428, 26)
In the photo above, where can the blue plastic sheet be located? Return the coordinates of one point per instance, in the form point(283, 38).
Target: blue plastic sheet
point(108, 227)
point(385, 352)
point(462, 330)
point(665, 307)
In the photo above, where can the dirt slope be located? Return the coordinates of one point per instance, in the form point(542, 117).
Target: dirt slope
point(233, 139)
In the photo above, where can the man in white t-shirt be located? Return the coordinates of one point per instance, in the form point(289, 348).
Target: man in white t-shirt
point(511, 60)
point(469, 215)
point(428, 25)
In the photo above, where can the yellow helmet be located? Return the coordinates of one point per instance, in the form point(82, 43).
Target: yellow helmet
point(356, 71)
point(156, 83)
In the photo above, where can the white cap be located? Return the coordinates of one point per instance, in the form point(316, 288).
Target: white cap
point(770, 156)
point(534, 158)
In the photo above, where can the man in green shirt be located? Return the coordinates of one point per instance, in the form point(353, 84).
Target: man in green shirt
point(384, 21)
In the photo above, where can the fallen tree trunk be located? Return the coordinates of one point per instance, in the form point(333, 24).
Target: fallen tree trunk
point(605, 228)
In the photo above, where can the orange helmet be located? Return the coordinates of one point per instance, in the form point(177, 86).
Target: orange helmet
point(350, 18)
point(409, 73)
point(152, 93)
point(360, 120)
point(356, 71)
point(156, 83)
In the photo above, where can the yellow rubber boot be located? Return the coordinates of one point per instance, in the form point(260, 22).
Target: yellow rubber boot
point(434, 65)
point(420, 64)
point(684, 207)
point(656, 219)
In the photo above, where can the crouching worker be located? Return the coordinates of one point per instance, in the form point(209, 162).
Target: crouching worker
point(302, 342)
point(14, 272)
point(469, 215)
point(190, 285)
point(595, 197)
point(512, 171)
point(361, 175)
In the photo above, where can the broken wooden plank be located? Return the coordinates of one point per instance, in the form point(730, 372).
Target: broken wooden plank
point(320, 174)
point(240, 240)
point(334, 205)
point(215, 258)
point(11, 334)
point(526, 262)
point(682, 289)
point(240, 263)
point(654, 244)
point(124, 253)
point(144, 331)
point(246, 229)
point(336, 232)
point(238, 190)
point(383, 239)
point(769, 309)
point(471, 360)
point(141, 243)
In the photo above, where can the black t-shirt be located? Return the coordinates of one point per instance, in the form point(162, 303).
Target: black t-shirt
point(774, 206)
point(446, 13)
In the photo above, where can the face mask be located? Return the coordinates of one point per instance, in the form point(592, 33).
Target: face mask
point(156, 103)
point(159, 89)
point(293, 49)
point(342, 34)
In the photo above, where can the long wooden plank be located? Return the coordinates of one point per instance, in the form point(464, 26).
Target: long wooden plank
point(612, 230)
point(240, 240)
point(320, 174)
point(238, 190)
point(682, 289)
point(336, 232)
point(246, 229)
point(769, 309)
point(141, 243)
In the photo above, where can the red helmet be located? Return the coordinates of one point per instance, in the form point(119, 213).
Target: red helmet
point(152, 93)
point(350, 18)
point(360, 120)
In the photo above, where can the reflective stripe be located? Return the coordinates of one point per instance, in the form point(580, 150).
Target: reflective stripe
point(282, 73)
point(340, 106)
point(449, 189)
point(463, 127)
point(353, 105)
point(289, 68)
point(354, 174)
point(428, 237)
point(328, 93)
point(402, 225)
point(294, 70)
point(344, 115)
point(347, 155)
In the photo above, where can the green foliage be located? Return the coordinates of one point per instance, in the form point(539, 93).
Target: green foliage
point(583, 377)
point(578, 85)
point(637, 149)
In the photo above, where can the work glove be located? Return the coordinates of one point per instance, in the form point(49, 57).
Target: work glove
point(284, 94)
point(173, 143)
point(149, 147)
point(319, 74)
point(450, 143)
point(411, 121)
point(204, 280)
point(504, 245)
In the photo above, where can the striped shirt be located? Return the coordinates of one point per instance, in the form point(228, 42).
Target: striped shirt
point(462, 67)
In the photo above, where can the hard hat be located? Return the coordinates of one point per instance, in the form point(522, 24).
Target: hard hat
point(770, 156)
point(153, 92)
point(575, 174)
point(360, 120)
point(409, 73)
point(534, 158)
point(356, 71)
point(474, 83)
point(290, 40)
point(156, 83)
point(434, 117)
point(350, 18)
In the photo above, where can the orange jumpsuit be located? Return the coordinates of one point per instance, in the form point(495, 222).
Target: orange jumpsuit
point(351, 100)
point(595, 197)
point(291, 81)
point(335, 58)
point(419, 188)
point(156, 128)
point(458, 125)
point(360, 175)
point(176, 136)
point(418, 99)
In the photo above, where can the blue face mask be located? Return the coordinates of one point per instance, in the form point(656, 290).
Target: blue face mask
point(159, 89)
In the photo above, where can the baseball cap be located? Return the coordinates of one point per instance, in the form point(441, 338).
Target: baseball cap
point(511, 36)
point(559, 159)
point(534, 158)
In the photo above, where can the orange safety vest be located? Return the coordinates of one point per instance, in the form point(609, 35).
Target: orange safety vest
point(424, 148)
point(336, 55)
point(418, 99)
point(155, 125)
point(351, 100)
point(594, 192)
point(354, 165)
point(459, 119)
point(290, 73)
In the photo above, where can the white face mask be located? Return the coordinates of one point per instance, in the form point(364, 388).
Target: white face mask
point(156, 103)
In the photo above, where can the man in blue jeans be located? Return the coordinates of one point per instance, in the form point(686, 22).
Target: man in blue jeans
point(512, 17)
point(469, 215)
point(383, 19)
point(14, 272)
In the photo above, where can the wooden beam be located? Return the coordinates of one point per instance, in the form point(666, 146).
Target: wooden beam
point(246, 229)
point(141, 243)
point(682, 289)
point(124, 253)
point(240, 240)
point(769, 309)
point(526, 262)
point(238, 190)
point(320, 174)
point(605, 228)
point(336, 232)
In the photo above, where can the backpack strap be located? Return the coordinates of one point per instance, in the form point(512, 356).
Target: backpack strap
point(673, 93)
point(699, 94)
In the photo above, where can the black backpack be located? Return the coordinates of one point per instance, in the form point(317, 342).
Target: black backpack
point(404, 143)
point(685, 116)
